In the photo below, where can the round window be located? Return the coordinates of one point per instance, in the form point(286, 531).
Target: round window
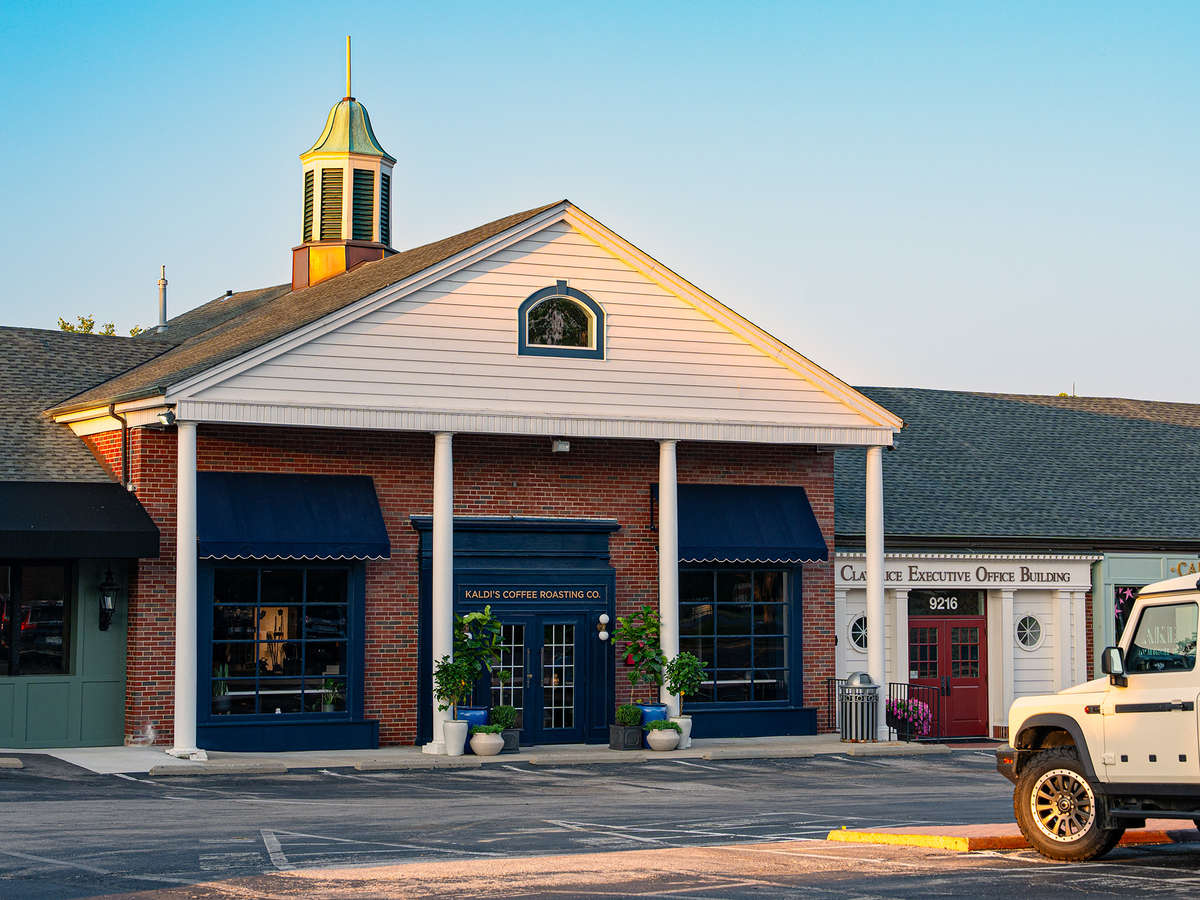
point(1029, 632)
point(858, 633)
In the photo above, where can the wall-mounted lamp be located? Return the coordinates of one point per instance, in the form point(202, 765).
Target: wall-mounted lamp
point(560, 446)
point(167, 418)
point(109, 590)
point(600, 630)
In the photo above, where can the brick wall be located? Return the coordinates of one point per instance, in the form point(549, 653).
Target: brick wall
point(493, 476)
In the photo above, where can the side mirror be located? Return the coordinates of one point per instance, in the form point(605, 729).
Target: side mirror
point(1112, 664)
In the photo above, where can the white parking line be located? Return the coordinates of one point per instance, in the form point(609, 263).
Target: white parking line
point(278, 859)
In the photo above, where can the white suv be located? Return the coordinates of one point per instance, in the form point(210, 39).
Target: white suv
point(1095, 759)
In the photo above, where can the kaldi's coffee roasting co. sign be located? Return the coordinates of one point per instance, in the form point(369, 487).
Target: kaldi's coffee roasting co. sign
point(961, 571)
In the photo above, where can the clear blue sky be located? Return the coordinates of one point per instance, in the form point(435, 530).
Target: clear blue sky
point(997, 196)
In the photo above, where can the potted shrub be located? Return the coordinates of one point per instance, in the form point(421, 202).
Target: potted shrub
point(477, 640)
point(332, 690)
point(910, 718)
point(486, 740)
point(453, 680)
point(662, 734)
point(220, 689)
point(643, 655)
point(627, 733)
point(506, 718)
point(683, 677)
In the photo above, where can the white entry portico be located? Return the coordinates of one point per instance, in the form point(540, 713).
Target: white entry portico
point(1016, 622)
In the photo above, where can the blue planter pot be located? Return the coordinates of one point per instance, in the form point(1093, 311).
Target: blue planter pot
point(650, 713)
point(472, 715)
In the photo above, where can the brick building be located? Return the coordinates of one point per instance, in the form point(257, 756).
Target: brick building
point(532, 414)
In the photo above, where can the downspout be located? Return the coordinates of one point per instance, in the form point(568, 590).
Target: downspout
point(112, 412)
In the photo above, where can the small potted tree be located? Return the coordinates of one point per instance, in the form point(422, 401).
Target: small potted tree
point(644, 658)
point(662, 734)
point(477, 640)
point(683, 677)
point(332, 690)
point(506, 718)
point(627, 733)
point(453, 680)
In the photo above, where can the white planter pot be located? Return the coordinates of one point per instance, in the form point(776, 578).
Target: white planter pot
point(685, 733)
point(454, 733)
point(484, 744)
point(667, 739)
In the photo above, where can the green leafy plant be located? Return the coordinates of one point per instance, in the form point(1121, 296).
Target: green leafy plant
point(662, 725)
point(629, 715)
point(220, 687)
point(453, 680)
point(642, 651)
point(684, 674)
point(486, 729)
point(505, 717)
point(477, 641)
point(332, 690)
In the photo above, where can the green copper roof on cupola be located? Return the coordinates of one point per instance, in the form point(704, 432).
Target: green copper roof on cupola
point(348, 127)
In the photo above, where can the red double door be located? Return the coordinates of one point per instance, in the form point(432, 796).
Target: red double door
point(948, 656)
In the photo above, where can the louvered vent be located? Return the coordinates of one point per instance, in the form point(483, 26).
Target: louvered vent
point(385, 209)
point(308, 207)
point(364, 204)
point(331, 204)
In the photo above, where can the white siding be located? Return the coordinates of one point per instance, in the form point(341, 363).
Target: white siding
point(452, 347)
point(1033, 670)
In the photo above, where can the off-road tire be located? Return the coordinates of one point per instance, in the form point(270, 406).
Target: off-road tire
point(1067, 824)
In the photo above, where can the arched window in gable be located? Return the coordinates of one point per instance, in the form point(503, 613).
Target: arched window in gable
point(561, 321)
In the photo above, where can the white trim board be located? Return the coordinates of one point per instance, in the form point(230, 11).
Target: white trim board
point(482, 422)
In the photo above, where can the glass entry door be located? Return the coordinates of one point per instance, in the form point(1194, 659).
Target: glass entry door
point(949, 655)
point(544, 677)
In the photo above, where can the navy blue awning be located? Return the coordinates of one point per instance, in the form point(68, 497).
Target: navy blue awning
point(733, 523)
point(249, 515)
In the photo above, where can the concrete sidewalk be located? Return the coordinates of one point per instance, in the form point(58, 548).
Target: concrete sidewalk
point(1002, 836)
point(155, 762)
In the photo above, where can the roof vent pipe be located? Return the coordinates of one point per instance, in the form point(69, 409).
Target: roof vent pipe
point(162, 300)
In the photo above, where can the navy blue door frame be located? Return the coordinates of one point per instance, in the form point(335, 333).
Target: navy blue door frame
point(533, 570)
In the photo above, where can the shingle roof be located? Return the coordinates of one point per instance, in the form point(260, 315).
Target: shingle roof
point(983, 467)
point(44, 367)
point(266, 316)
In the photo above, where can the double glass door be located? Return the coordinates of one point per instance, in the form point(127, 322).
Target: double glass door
point(949, 655)
point(542, 673)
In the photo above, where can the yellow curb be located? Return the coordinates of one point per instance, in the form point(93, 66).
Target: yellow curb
point(962, 844)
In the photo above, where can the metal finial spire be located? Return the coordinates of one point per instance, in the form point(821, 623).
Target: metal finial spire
point(348, 94)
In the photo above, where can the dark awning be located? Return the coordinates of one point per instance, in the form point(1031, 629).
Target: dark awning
point(732, 523)
point(73, 520)
point(245, 515)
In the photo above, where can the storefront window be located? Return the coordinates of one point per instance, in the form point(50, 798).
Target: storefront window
point(739, 623)
point(279, 640)
point(34, 620)
point(1123, 597)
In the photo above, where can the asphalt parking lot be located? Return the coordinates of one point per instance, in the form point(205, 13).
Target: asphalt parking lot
point(70, 833)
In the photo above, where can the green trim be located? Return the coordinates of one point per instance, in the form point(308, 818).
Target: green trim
point(385, 209)
point(363, 215)
point(306, 234)
point(331, 204)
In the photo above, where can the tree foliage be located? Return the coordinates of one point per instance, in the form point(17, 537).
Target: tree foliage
point(87, 325)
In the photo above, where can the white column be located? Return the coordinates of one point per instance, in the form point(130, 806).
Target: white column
point(1063, 652)
point(900, 659)
point(668, 562)
point(1079, 636)
point(876, 627)
point(1008, 642)
point(841, 619)
point(185, 593)
point(441, 625)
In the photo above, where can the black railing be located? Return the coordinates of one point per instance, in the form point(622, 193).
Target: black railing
point(829, 715)
point(930, 695)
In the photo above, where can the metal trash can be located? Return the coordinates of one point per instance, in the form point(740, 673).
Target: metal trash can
point(858, 706)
